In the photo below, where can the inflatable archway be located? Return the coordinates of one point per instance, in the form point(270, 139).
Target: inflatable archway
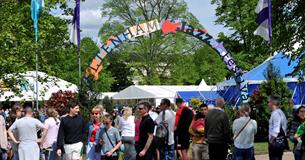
point(168, 27)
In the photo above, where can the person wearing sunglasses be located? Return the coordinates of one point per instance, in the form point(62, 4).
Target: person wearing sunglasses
point(93, 148)
point(145, 150)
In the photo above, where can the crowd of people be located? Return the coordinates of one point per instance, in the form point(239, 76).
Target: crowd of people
point(145, 133)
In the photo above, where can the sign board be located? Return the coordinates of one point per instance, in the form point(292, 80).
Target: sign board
point(143, 29)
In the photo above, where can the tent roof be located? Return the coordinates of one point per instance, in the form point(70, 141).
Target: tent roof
point(49, 85)
point(102, 95)
point(157, 91)
point(202, 95)
point(256, 75)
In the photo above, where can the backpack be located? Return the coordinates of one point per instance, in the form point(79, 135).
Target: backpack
point(161, 136)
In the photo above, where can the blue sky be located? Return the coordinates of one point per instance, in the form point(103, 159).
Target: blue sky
point(91, 19)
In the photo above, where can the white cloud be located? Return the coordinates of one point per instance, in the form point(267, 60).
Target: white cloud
point(91, 20)
point(205, 13)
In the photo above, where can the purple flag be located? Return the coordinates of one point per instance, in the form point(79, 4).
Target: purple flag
point(263, 9)
point(75, 31)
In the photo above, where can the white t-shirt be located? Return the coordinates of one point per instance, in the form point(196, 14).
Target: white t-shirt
point(170, 118)
point(27, 128)
point(127, 126)
point(153, 115)
point(52, 127)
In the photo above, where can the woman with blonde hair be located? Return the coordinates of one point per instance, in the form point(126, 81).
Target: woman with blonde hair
point(93, 148)
point(127, 126)
point(49, 136)
point(244, 129)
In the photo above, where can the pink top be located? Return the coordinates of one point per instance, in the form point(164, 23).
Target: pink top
point(3, 134)
point(199, 123)
point(137, 129)
point(52, 126)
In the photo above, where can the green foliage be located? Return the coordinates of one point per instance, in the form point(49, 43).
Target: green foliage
point(89, 50)
point(195, 103)
point(259, 100)
point(120, 71)
point(288, 19)
point(17, 42)
point(108, 104)
point(209, 66)
point(152, 58)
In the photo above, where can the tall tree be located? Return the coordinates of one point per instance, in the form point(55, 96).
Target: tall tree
point(88, 50)
point(288, 20)
point(17, 42)
point(153, 56)
point(259, 100)
point(209, 66)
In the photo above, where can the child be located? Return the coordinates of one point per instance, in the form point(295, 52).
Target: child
point(300, 131)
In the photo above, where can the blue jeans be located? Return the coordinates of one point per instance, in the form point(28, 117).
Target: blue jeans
point(91, 153)
point(167, 153)
point(3, 154)
point(129, 148)
point(243, 154)
point(299, 154)
point(50, 154)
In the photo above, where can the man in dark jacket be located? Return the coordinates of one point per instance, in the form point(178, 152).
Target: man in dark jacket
point(218, 131)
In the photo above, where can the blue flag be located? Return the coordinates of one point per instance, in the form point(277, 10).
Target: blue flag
point(36, 9)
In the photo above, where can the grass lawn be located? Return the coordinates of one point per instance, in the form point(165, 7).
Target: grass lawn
point(262, 147)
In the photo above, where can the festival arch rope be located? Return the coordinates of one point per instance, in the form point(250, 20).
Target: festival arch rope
point(169, 27)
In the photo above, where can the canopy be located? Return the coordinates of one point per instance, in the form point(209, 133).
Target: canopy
point(158, 91)
point(46, 86)
point(208, 96)
point(256, 75)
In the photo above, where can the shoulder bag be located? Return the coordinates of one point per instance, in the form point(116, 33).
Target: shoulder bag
point(241, 129)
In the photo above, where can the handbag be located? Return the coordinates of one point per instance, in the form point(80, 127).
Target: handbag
point(280, 143)
point(121, 148)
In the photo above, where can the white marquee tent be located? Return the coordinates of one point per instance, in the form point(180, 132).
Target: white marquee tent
point(46, 86)
point(157, 92)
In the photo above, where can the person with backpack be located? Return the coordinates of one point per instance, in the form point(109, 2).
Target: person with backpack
point(184, 117)
point(165, 131)
point(244, 130)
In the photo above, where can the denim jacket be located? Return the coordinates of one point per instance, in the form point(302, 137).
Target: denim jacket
point(91, 127)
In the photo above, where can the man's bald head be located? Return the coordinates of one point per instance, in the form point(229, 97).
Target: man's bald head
point(28, 110)
point(220, 102)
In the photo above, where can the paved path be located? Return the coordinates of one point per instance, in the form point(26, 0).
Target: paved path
point(287, 156)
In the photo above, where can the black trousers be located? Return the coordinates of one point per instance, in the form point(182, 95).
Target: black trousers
point(218, 151)
point(275, 154)
point(109, 158)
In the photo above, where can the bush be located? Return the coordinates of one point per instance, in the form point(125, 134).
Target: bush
point(259, 100)
point(59, 101)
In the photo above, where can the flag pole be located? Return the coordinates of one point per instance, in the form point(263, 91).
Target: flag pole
point(79, 66)
point(270, 26)
point(76, 20)
point(36, 55)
